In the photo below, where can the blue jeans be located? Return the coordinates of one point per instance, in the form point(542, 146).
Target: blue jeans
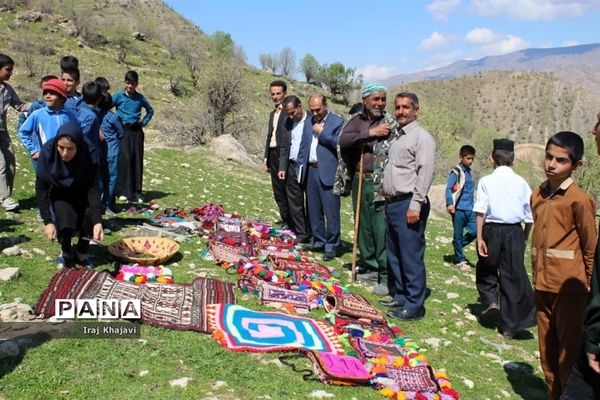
point(461, 220)
point(110, 173)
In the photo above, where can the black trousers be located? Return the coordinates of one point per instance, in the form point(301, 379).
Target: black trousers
point(279, 192)
point(297, 210)
point(583, 383)
point(131, 162)
point(501, 276)
point(71, 215)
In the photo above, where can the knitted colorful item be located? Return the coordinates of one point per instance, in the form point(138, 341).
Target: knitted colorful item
point(338, 369)
point(305, 266)
point(229, 223)
point(264, 234)
point(291, 300)
point(208, 215)
point(139, 274)
point(409, 379)
point(241, 329)
point(229, 247)
point(370, 349)
point(352, 305)
point(378, 332)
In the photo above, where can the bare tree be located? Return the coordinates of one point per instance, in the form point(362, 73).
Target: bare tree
point(287, 58)
point(266, 62)
point(122, 45)
point(223, 86)
point(276, 63)
point(27, 46)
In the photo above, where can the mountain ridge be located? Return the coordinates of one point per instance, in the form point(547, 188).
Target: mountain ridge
point(576, 65)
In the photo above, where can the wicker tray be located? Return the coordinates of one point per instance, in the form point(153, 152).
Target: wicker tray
point(157, 250)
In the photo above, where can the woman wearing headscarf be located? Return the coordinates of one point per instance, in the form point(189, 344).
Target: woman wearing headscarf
point(67, 184)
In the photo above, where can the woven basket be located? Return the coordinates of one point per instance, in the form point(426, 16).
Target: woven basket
point(144, 250)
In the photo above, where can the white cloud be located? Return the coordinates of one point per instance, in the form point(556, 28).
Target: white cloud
point(441, 8)
point(494, 43)
point(567, 43)
point(436, 41)
point(480, 36)
point(531, 10)
point(374, 72)
point(505, 45)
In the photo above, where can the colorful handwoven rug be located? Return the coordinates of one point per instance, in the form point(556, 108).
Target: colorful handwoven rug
point(175, 306)
point(68, 283)
point(241, 329)
point(172, 306)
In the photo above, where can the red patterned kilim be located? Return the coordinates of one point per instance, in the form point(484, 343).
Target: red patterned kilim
point(68, 283)
point(174, 306)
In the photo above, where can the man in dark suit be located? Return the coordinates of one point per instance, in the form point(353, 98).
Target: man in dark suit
point(289, 147)
point(316, 167)
point(275, 133)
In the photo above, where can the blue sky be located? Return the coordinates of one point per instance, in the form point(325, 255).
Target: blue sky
point(389, 37)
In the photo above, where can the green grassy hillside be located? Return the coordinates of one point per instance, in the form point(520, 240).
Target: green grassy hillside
point(480, 363)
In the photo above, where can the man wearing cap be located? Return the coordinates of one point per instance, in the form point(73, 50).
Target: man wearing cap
point(42, 125)
point(502, 206)
point(407, 176)
point(360, 134)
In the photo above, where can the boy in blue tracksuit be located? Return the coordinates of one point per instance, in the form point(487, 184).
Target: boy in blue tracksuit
point(460, 195)
point(42, 125)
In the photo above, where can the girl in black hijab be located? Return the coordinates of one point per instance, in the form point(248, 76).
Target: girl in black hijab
point(67, 193)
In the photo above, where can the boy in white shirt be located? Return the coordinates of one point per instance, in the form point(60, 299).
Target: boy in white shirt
point(502, 205)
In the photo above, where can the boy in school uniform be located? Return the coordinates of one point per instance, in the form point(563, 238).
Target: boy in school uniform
point(460, 196)
point(8, 97)
point(502, 206)
point(562, 255)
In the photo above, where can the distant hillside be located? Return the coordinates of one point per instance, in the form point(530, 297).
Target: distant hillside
point(527, 107)
point(577, 65)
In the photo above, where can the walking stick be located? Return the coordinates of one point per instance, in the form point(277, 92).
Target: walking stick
point(357, 214)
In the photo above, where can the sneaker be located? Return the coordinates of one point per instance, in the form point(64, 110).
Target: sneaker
point(463, 266)
point(110, 213)
point(10, 204)
point(123, 198)
point(62, 261)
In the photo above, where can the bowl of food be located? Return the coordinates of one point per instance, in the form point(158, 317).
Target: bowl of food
point(144, 250)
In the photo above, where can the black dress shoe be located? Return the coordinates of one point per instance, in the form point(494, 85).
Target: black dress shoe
point(405, 315)
point(311, 247)
point(390, 303)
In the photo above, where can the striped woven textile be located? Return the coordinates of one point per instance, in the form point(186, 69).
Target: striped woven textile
point(68, 283)
point(172, 306)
